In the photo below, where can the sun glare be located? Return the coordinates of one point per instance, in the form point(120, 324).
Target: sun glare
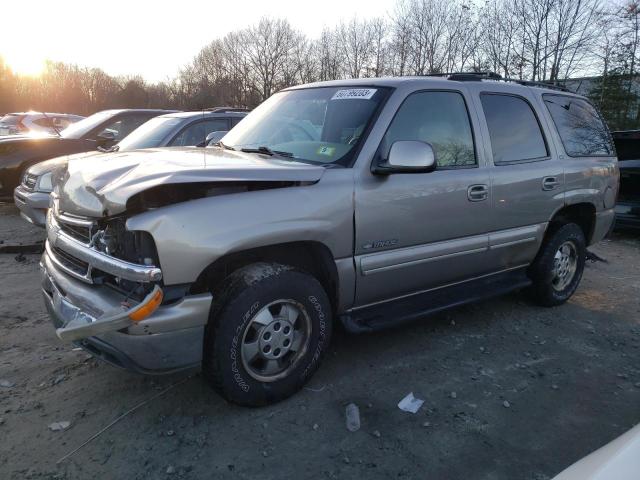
point(25, 64)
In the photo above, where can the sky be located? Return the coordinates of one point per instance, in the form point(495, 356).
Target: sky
point(147, 37)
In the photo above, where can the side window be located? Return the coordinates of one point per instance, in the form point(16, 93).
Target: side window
point(582, 131)
point(43, 122)
point(438, 118)
point(513, 128)
point(124, 126)
point(197, 132)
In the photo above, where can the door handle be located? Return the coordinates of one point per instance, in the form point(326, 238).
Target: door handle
point(477, 193)
point(550, 183)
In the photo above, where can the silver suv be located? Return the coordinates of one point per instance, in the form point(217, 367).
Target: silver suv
point(366, 202)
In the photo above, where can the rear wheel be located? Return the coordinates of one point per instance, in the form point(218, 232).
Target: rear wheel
point(267, 333)
point(557, 270)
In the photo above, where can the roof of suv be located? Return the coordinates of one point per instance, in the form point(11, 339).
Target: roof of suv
point(439, 80)
point(204, 113)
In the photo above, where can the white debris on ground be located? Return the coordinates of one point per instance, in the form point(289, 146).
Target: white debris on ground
point(352, 417)
point(410, 403)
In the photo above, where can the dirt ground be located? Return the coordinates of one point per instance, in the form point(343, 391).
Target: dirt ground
point(512, 391)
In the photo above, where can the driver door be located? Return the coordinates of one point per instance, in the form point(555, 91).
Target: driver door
point(418, 231)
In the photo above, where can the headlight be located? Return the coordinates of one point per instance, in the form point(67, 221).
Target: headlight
point(44, 183)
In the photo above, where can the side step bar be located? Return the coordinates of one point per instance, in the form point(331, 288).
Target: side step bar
point(414, 307)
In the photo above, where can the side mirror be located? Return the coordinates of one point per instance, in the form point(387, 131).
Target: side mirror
point(106, 137)
point(215, 137)
point(408, 156)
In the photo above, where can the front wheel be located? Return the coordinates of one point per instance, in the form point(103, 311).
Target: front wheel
point(557, 269)
point(268, 331)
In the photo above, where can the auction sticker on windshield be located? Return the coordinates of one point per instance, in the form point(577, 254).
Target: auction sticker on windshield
point(354, 93)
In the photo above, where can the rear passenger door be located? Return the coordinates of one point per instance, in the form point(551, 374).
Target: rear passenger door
point(418, 231)
point(527, 178)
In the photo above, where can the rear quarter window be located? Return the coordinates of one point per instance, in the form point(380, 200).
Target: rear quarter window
point(581, 129)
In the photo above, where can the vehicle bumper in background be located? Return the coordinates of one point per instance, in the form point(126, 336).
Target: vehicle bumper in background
point(602, 226)
point(628, 215)
point(32, 205)
point(92, 316)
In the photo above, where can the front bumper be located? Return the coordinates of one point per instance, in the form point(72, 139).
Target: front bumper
point(628, 215)
point(32, 205)
point(168, 340)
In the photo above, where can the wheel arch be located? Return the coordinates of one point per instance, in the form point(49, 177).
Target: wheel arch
point(312, 257)
point(583, 214)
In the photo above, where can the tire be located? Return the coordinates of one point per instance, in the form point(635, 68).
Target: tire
point(267, 333)
point(550, 287)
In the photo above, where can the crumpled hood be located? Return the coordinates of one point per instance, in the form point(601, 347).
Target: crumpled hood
point(59, 162)
point(101, 185)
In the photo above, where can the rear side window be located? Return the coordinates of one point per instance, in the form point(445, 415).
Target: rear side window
point(513, 128)
point(438, 118)
point(582, 131)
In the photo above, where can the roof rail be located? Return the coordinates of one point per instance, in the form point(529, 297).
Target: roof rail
point(227, 109)
point(479, 76)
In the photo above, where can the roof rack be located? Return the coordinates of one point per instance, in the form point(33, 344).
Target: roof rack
point(478, 76)
point(227, 109)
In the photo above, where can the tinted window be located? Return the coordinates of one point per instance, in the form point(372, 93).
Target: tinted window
point(581, 129)
point(438, 118)
point(124, 126)
point(197, 132)
point(513, 128)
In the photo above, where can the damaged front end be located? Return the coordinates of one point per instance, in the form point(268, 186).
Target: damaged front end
point(103, 288)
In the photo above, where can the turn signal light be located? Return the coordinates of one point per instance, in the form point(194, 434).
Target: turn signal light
point(148, 308)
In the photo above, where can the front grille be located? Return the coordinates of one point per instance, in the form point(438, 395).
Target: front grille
point(72, 263)
point(76, 231)
point(29, 181)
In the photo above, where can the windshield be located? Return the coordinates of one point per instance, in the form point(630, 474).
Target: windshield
point(83, 127)
point(150, 134)
point(319, 125)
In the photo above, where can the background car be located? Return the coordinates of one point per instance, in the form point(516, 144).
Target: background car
point(628, 204)
point(172, 130)
point(102, 129)
point(28, 123)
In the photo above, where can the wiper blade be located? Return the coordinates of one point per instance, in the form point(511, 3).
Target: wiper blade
point(267, 151)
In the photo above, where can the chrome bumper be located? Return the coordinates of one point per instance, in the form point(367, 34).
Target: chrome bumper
point(56, 238)
point(32, 205)
point(169, 339)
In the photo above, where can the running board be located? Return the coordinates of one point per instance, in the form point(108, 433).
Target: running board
point(411, 308)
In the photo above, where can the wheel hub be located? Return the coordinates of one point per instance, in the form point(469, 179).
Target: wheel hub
point(564, 265)
point(276, 339)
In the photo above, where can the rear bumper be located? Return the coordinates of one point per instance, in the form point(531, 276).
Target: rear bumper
point(628, 215)
point(92, 316)
point(32, 205)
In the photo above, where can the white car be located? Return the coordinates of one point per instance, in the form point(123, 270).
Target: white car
point(618, 460)
point(27, 123)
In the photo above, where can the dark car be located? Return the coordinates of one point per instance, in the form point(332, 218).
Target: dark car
point(102, 129)
point(628, 205)
point(180, 129)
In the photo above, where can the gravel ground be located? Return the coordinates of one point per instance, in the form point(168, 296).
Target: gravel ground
point(511, 390)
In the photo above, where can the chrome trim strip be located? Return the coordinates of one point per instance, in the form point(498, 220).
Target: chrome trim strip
point(404, 257)
point(61, 266)
point(96, 259)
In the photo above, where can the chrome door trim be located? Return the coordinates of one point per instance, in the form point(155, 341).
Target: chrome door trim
point(408, 256)
point(518, 235)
